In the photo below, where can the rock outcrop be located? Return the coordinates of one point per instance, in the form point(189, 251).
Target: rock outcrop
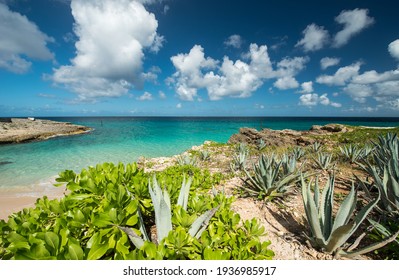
point(285, 137)
point(25, 130)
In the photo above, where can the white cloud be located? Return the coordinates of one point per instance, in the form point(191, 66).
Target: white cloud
point(234, 41)
point(228, 78)
point(286, 83)
point(179, 106)
point(145, 96)
point(393, 49)
point(354, 21)
point(307, 87)
point(359, 93)
point(109, 53)
point(326, 62)
point(313, 99)
point(341, 77)
point(309, 99)
point(20, 38)
point(162, 95)
point(370, 77)
point(314, 38)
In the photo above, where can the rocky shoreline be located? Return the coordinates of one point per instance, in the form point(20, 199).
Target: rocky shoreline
point(19, 130)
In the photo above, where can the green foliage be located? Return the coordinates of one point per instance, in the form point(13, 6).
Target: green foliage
point(261, 144)
point(187, 160)
point(105, 201)
point(240, 157)
point(323, 160)
point(331, 234)
point(352, 153)
point(385, 173)
point(204, 155)
point(298, 153)
point(316, 147)
point(272, 178)
point(382, 231)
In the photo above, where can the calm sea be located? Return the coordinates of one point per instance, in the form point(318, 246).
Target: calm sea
point(125, 139)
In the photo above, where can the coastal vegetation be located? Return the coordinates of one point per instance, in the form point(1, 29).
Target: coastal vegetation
point(331, 193)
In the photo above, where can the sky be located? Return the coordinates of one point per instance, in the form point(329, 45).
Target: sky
point(199, 58)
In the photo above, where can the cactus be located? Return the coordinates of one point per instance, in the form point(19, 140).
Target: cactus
point(261, 144)
point(204, 155)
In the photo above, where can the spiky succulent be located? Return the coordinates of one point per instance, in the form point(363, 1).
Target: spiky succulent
point(163, 214)
point(269, 180)
point(323, 160)
point(329, 233)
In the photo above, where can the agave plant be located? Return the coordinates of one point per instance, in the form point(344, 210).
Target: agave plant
point(186, 160)
point(261, 144)
point(298, 152)
point(323, 160)
point(204, 155)
point(240, 158)
point(316, 146)
point(385, 173)
point(388, 186)
point(352, 153)
point(331, 234)
point(288, 164)
point(269, 181)
point(163, 215)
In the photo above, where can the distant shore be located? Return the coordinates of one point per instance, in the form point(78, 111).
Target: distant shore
point(19, 130)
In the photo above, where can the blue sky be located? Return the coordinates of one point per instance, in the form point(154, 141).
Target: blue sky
point(199, 58)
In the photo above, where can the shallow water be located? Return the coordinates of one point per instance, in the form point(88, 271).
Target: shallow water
point(125, 139)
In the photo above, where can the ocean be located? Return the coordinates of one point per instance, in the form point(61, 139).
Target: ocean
point(125, 139)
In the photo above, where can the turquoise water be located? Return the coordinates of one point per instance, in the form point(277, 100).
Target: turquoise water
point(125, 139)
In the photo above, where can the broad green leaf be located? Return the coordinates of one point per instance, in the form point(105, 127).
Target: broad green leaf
point(97, 251)
point(75, 252)
point(52, 240)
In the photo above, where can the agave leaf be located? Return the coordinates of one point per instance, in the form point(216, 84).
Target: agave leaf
point(339, 236)
point(136, 240)
point(311, 212)
point(184, 193)
point(326, 206)
point(364, 212)
point(163, 219)
point(201, 223)
point(370, 248)
point(142, 227)
point(345, 210)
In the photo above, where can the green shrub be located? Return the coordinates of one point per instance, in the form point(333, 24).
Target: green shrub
point(102, 201)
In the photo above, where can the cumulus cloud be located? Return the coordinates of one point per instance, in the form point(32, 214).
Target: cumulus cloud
point(21, 38)
point(234, 41)
point(307, 87)
point(359, 93)
point(314, 38)
point(354, 22)
point(393, 49)
point(109, 53)
point(145, 96)
point(313, 99)
point(341, 77)
point(309, 99)
point(286, 83)
point(326, 62)
point(228, 78)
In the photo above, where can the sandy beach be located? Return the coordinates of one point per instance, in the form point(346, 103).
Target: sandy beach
point(15, 199)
